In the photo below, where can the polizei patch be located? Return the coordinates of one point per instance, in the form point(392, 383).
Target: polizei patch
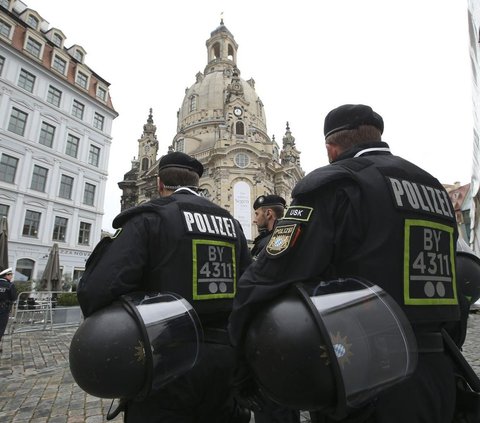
point(282, 239)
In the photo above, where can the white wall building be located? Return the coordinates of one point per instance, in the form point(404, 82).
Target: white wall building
point(474, 35)
point(55, 134)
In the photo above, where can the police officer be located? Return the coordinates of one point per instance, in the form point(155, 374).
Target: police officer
point(375, 215)
point(182, 243)
point(8, 294)
point(268, 209)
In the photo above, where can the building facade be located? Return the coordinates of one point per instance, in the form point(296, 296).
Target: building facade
point(55, 134)
point(474, 38)
point(221, 122)
point(461, 199)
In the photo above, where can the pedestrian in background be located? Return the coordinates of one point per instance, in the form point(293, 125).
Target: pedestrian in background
point(8, 295)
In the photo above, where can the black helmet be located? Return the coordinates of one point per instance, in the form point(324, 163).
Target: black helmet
point(468, 272)
point(330, 346)
point(136, 344)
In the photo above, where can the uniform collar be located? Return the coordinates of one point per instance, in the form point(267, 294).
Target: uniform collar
point(189, 190)
point(367, 149)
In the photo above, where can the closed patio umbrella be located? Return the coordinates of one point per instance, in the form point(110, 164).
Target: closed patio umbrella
point(3, 243)
point(51, 277)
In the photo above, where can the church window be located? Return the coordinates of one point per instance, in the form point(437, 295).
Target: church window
point(242, 160)
point(216, 51)
point(239, 128)
point(193, 103)
point(204, 192)
point(230, 52)
point(260, 109)
point(180, 146)
point(145, 164)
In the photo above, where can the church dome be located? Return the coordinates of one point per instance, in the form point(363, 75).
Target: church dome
point(221, 122)
point(217, 97)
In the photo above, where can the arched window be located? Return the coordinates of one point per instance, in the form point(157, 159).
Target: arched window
point(239, 128)
point(193, 103)
point(180, 146)
point(216, 51)
point(230, 53)
point(145, 164)
point(78, 55)
point(32, 21)
point(57, 39)
point(24, 269)
point(204, 192)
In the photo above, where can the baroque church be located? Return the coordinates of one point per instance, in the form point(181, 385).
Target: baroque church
point(222, 124)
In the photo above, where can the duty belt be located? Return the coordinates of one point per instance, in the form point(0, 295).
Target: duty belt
point(429, 342)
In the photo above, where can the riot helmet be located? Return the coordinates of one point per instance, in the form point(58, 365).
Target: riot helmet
point(135, 346)
point(330, 346)
point(468, 272)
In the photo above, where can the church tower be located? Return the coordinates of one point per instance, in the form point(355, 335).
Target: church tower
point(140, 183)
point(148, 145)
point(222, 123)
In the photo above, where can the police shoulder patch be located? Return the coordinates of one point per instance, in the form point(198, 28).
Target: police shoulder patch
point(300, 213)
point(282, 239)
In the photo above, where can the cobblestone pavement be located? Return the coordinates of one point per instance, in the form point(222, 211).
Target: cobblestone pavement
point(36, 385)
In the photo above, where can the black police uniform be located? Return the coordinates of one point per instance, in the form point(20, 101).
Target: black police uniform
point(184, 244)
point(260, 242)
point(377, 216)
point(8, 294)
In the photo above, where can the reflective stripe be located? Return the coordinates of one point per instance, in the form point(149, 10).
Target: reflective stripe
point(369, 150)
point(429, 264)
point(214, 269)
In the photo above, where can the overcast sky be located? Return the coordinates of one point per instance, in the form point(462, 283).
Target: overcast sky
point(408, 59)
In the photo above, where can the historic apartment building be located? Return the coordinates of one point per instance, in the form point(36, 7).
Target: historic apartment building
point(55, 134)
point(221, 122)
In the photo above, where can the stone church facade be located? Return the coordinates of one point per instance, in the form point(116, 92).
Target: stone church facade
point(222, 123)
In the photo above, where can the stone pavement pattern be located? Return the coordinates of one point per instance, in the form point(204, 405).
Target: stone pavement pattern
point(36, 385)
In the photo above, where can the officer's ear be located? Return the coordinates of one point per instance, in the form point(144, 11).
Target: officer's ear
point(160, 185)
point(333, 150)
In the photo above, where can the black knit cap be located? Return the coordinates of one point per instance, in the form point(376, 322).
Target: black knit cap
point(351, 116)
point(269, 200)
point(182, 160)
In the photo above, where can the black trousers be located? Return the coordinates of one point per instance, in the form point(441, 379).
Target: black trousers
point(3, 321)
point(277, 414)
point(202, 395)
